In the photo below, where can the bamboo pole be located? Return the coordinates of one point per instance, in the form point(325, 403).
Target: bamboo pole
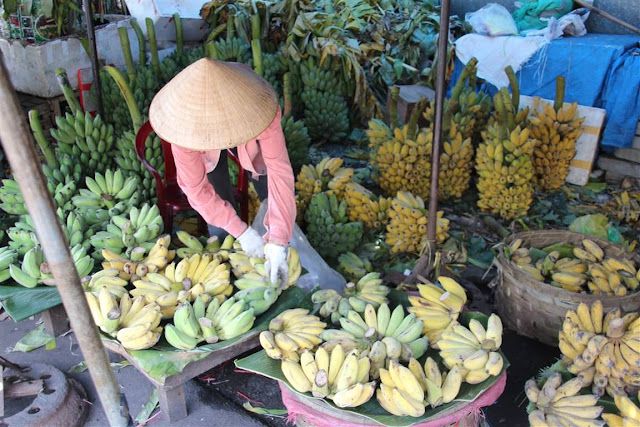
point(21, 153)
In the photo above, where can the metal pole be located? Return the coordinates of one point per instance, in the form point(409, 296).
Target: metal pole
point(91, 36)
point(441, 90)
point(20, 149)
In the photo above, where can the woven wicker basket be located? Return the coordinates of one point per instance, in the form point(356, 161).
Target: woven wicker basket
point(535, 309)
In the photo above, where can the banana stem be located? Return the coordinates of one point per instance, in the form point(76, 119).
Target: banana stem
point(179, 35)
point(473, 78)
point(153, 46)
point(515, 88)
point(230, 25)
point(126, 51)
point(412, 130)
point(255, 26)
point(41, 139)
point(393, 107)
point(216, 32)
point(508, 108)
point(69, 94)
point(125, 89)
point(462, 80)
point(142, 44)
point(257, 56)
point(288, 107)
point(560, 92)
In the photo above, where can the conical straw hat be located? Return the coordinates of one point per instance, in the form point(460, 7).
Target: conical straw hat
point(213, 105)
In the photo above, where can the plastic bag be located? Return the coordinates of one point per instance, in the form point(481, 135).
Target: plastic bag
point(534, 14)
point(492, 20)
point(319, 272)
point(593, 225)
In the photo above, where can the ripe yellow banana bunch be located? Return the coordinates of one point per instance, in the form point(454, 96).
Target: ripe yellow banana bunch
point(326, 175)
point(291, 332)
point(438, 308)
point(558, 404)
point(602, 349)
point(439, 387)
point(244, 266)
point(352, 267)
point(355, 297)
point(628, 207)
point(108, 279)
point(377, 133)
point(474, 349)
point(366, 207)
point(200, 274)
point(629, 413)
point(407, 226)
point(135, 265)
point(342, 377)
point(456, 164)
point(400, 392)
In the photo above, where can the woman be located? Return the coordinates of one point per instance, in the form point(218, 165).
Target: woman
point(213, 106)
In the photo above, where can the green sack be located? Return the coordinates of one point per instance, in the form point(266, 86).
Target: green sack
point(528, 15)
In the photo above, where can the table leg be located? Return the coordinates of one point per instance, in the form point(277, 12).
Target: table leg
point(56, 321)
point(173, 402)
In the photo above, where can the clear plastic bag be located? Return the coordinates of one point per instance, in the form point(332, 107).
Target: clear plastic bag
point(492, 20)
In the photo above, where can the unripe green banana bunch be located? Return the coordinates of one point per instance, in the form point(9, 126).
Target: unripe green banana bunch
point(11, 198)
point(297, 136)
point(105, 191)
point(356, 296)
point(343, 378)
point(7, 257)
point(34, 270)
point(290, 333)
point(210, 322)
point(67, 169)
point(194, 245)
point(352, 267)
point(326, 115)
point(141, 228)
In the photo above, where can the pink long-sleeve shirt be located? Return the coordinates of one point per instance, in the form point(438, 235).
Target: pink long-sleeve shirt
point(264, 155)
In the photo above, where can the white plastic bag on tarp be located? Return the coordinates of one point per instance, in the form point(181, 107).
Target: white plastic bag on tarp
point(319, 272)
point(492, 20)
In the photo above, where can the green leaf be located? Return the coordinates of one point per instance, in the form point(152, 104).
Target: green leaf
point(148, 408)
point(82, 366)
point(22, 303)
point(34, 340)
point(263, 411)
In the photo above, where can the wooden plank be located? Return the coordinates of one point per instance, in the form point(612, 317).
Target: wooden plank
point(636, 142)
point(630, 154)
point(55, 320)
point(587, 145)
point(23, 389)
point(173, 402)
point(618, 166)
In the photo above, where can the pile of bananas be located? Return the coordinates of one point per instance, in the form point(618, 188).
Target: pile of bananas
point(87, 139)
point(208, 321)
point(602, 349)
point(11, 198)
point(627, 207)
point(352, 267)
point(295, 131)
point(135, 323)
point(407, 226)
point(135, 265)
point(34, 270)
point(438, 307)
point(193, 245)
point(343, 378)
point(558, 404)
point(474, 349)
point(629, 413)
point(326, 175)
point(274, 67)
point(456, 165)
point(108, 279)
point(328, 226)
point(233, 49)
point(326, 113)
point(355, 297)
point(556, 128)
point(128, 161)
point(366, 207)
point(290, 333)
point(7, 257)
point(503, 161)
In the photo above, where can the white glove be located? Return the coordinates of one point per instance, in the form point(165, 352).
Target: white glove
point(276, 264)
point(252, 243)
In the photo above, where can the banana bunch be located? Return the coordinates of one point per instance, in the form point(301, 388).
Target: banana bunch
point(456, 164)
point(87, 139)
point(352, 267)
point(602, 349)
point(135, 265)
point(34, 270)
point(439, 387)
point(328, 226)
point(193, 245)
point(290, 333)
point(254, 203)
point(407, 226)
point(114, 106)
point(326, 113)
point(273, 69)
point(400, 392)
point(378, 132)
point(557, 128)
point(503, 161)
point(474, 349)
point(208, 320)
point(366, 207)
point(7, 257)
point(233, 49)
point(326, 175)
point(168, 68)
point(628, 208)
point(297, 136)
point(438, 308)
point(343, 378)
point(11, 198)
point(355, 297)
point(558, 404)
point(629, 413)
point(108, 279)
point(128, 161)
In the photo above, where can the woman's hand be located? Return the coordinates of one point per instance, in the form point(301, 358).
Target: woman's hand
point(252, 243)
point(276, 264)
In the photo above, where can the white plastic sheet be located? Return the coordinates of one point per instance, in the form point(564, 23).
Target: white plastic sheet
point(492, 20)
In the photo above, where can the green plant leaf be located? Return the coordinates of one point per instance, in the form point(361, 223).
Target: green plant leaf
point(263, 411)
point(148, 408)
point(35, 339)
point(22, 303)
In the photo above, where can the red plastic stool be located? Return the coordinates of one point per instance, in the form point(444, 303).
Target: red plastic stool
point(171, 199)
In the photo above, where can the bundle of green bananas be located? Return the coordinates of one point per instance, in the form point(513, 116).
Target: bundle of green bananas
point(474, 349)
point(191, 55)
point(326, 175)
point(438, 307)
point(352, 267)
point(629, 413)
point(407, 226)
point(7, 257)
point(558, 404)
point(134, 265)
point(133, 322)
point(114, 106)
point(368, 290)
point(87, 139)
point(128, 161)
point(107, 195)
point(208, 321)
point(168, 69)
point(326, 113)
point(11, 198)
point(556, 128)
point(274, 67)
point(328, 226)
point(366, 207)
point(297, 137)
point(34, 270)
point(627, 207)
point(343, 378)
point(439, 387)
point(602, 348)
point(193, 245)
point(503, 161)
point(290, 333)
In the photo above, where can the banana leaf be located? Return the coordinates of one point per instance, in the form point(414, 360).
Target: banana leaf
point(22, 303)
point(163, 360)
point(262, 364)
